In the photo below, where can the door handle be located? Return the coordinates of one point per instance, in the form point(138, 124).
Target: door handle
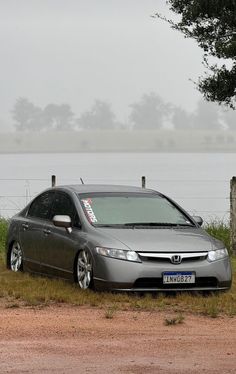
point(47, 232)
point(25, 226)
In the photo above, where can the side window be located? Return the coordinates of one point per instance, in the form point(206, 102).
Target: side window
point(41, 206)
point(63, 205)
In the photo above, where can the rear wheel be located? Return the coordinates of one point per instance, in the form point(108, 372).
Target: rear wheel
point(84, 270)
point(16, 257)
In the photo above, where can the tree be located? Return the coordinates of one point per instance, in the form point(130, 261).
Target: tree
point(27, 116)
point(229, 118)
point(180, 119)
point(149, 112)
point(100, 117)
point(206, 116)
point(58, 117)
point(212, 23)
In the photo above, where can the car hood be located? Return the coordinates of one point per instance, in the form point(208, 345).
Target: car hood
point(161, 240)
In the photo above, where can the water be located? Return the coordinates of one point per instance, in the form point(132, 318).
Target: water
point(198, 182)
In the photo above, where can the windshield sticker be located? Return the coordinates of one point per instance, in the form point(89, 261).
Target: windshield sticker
point(90, 213)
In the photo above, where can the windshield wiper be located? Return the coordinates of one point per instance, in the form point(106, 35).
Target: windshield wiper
point(108, 225)
point(144, 224)
point(158, 224)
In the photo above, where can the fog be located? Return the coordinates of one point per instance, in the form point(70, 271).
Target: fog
point(75, 52)
point(69, 67)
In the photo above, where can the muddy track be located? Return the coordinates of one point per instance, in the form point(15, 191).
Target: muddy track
point(64, 339)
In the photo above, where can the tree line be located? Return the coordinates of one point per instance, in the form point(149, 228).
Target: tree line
point(151, 112)
point(212, 24)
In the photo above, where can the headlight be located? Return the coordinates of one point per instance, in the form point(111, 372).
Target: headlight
point(119, 254)
point(217, 255)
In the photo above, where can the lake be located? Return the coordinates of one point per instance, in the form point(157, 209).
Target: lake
point(198, 182)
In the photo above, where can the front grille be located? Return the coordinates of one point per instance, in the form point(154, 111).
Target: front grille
point(200, 282)
point(166, 257)
point(168, 260)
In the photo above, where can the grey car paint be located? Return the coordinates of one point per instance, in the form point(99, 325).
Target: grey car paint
point(167, 240)
point(52, 250)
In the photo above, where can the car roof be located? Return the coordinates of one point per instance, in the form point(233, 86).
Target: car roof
point(94, 188)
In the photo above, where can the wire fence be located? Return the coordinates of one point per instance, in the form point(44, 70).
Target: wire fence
point(207, 197)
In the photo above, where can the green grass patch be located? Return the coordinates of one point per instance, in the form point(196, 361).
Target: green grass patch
point(17, 289)
point(3, 233)
point(220, 230)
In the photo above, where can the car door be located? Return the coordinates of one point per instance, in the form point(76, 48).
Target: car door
point(60, 246)
point(31, 230)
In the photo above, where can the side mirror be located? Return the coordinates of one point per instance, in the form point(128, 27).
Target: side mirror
point(62, 221)
point(198, 219)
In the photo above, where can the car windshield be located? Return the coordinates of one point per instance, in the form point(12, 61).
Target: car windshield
point(129, 210)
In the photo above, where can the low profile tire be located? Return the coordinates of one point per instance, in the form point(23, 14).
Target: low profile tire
point(16, 257)
point(84, 270)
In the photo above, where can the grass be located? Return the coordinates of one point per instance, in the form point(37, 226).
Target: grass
point(177, 320)
point(17, 289)
point(110, 311)
point(3, 233)
point(219, 230)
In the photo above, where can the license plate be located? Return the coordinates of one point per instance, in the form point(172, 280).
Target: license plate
point(178, 277)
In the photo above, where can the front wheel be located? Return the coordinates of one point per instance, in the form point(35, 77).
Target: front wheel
point(84, 270)
point(16, 257)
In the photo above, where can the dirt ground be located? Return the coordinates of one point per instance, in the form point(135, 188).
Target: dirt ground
point(66, 339)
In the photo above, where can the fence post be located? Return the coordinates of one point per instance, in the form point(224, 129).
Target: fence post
point(233, 214)
point(143, 181)
point(53, 180)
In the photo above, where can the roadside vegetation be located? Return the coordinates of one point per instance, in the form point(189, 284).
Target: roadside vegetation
point(3, 232)
point(219, 230)
point(19, 289)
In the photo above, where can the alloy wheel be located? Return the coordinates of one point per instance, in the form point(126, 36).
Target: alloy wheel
point(84, 269)
point(16, 257)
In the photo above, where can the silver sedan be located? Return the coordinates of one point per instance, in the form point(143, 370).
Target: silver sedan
point(116, 238)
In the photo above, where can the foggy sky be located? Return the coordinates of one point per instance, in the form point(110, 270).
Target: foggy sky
point(76, 51)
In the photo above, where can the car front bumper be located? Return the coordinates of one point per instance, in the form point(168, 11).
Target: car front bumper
point(113, 274)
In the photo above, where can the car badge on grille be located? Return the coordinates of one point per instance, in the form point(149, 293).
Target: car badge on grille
point(176, 259)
